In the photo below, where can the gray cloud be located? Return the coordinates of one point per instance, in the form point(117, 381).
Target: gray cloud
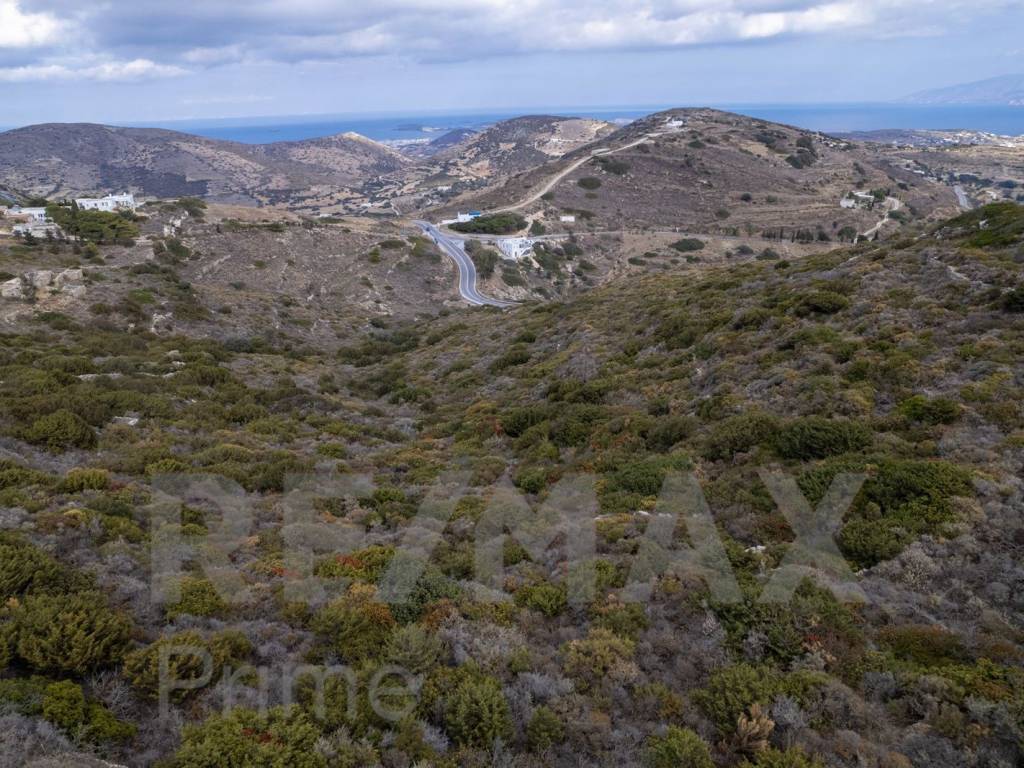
point(181, 37)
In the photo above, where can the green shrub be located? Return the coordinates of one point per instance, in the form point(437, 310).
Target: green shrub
point(185, 660)
point(678, 748)
point(26, 569)
point(816, 437)
point(821, 303)
point(476, 713)
point(668, 431)
point(415, 648)
point(591, 659)
point(549, 599)
point(590, 182)
point(367, 564)
point(64, 705)
point(492, 224)
point(78, 480)
point(60, 431)
point(69, 633)
point(544, 729)
point(243, 738)
point(901, 499)
point(924, 645)
point(939, 410)
point(688, 245)
point(731, 691)
point(199, 597)
point(355, 625)
point(738, 434)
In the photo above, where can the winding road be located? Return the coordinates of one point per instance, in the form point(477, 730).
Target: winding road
point(454, 249)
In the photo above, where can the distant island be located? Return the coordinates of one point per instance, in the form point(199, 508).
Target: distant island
point(1006, 90)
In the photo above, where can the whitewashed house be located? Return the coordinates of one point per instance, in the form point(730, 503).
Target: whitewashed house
point(110, 203)
point(515, 248)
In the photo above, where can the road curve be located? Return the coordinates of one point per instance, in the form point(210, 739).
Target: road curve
point(467, 270)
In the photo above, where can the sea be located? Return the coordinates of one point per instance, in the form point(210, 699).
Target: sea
point(830, 118)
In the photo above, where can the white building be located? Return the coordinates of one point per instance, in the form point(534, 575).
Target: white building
point(857, 200)
point(33, 215)
point(515, 247)
point(567, 219)
point(110, 203)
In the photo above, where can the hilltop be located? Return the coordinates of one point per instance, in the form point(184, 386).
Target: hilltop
point(701, 170)
point(58, 159)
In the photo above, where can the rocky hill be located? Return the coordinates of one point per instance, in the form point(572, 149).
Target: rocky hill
point(703, 170)
point(53, 160)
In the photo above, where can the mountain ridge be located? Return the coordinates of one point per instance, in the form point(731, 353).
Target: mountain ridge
point(1005, 90)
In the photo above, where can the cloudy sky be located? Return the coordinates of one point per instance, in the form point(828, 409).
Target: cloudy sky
point(143, 60)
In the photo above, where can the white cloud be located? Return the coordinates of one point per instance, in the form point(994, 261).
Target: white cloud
point(26, 30)
point(107, 71)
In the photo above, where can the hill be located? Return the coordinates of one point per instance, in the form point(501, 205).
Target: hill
point(58, 159)
point(467, 161)
point(702, 170)
point(896, 359)
point(1006, 90)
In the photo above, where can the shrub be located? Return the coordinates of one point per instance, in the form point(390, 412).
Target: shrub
point(544, 729)
point(924, 645)
point(78, 480)
point(816, 437)
point(738, 434)
point(492, 224)
point(64, 705)
point(821, 303)
point(591, 659)
point(26, 569)
point(477, 713)
point(688, 245)
point(280, 738)
point(678, 748)
point(901, 499)
point(1013, 301)
point(939, 410)
point(61, 430)
point(69, 633)
point(415, 648)
point(669, 430)
point(549, 599)
point(731, 691)
point(199, 597)
point(590, 182)
point(185, 655)
point(355, 625)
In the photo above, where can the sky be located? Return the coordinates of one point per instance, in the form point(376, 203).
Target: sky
point(130, 61)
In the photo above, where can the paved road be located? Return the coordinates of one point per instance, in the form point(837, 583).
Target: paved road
point(467, 270)
point(961, 197)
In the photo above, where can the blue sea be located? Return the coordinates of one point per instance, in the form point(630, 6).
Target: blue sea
point(832, 118)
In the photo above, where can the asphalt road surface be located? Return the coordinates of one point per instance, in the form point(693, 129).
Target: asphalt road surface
point(467, 270)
